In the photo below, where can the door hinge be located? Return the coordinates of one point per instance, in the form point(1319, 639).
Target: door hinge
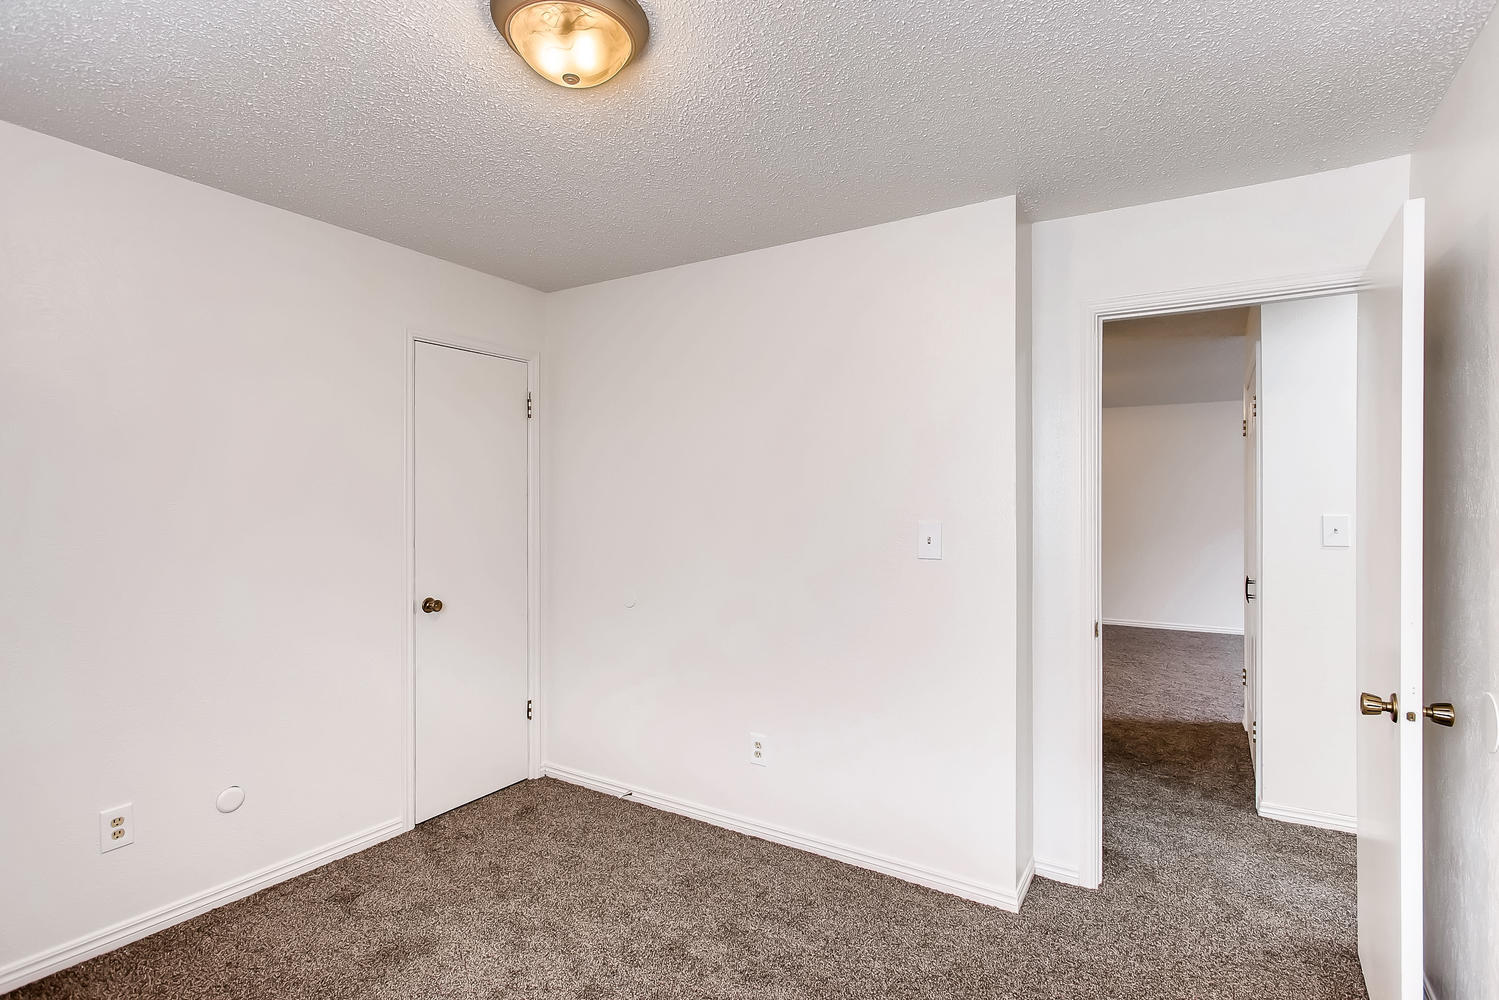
point(530, 709)
point(1096, 630)
point(529, 411)
point(1245, 431)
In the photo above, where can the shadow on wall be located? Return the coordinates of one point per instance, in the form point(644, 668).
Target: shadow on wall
point(1461, 520)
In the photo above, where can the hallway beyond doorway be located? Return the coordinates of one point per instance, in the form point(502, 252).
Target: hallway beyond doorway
point(1180, 825)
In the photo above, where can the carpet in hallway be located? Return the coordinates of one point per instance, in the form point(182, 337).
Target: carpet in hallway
point(1157, 674)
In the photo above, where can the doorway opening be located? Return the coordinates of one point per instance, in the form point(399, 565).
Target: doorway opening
point(1387, 537)
point(1227, 589)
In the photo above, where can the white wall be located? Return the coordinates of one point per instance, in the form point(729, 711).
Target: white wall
point(1243, 239)
point(202, 431)
point(1173, 516)
point(1307, 591)
point(1454, 169)
point(738, 452)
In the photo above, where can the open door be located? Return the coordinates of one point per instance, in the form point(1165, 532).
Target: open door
point(1390, 399)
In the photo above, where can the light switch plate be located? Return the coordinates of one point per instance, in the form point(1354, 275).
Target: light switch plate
point(1336, 531)
point(929, 540)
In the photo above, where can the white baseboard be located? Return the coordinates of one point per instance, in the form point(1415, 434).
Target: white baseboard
point(27, 970)
point(1175, 626)
point(1066, 874)
point(993, 895)
point(1026, 877)
point(1309, 817)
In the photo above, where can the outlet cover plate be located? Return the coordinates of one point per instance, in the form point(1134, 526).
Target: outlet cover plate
point(116, 827)
point(759, 750)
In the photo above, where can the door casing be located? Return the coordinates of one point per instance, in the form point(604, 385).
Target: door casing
point(1089, 707)
point(1253, 569)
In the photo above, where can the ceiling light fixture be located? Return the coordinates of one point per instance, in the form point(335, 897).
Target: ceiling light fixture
point(575, 45)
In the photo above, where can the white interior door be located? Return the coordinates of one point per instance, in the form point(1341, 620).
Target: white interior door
point(469, 464)
point(1390, 398)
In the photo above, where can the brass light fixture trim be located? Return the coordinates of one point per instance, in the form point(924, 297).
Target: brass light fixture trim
point(573, 43)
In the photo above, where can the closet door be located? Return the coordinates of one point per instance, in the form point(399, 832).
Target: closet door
point(469, 467)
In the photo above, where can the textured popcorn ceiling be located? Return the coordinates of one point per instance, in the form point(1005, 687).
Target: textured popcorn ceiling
point(745, 125)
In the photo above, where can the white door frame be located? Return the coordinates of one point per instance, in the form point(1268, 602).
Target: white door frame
point(1252, 694)
point(533, 553)
point(1090, 601)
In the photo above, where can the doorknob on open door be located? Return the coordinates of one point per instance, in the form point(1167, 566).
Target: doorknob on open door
point(1373, 704)
point(431, 605)
point(1441, 712)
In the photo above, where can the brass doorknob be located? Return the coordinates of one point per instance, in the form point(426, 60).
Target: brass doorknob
point(1441, 712)
point(1373, 704)
point(431, 604)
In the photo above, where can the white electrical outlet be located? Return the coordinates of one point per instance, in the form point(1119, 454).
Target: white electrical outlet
point(758, 749)
point(116, 827)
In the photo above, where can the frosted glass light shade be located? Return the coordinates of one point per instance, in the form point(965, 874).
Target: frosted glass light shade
point(575, 45)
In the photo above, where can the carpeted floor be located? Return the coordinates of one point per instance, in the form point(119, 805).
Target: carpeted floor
point(547, 890)
point(1152, 674)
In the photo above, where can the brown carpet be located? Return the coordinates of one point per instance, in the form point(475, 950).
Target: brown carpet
point(546, 890)
point(1157, 675)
